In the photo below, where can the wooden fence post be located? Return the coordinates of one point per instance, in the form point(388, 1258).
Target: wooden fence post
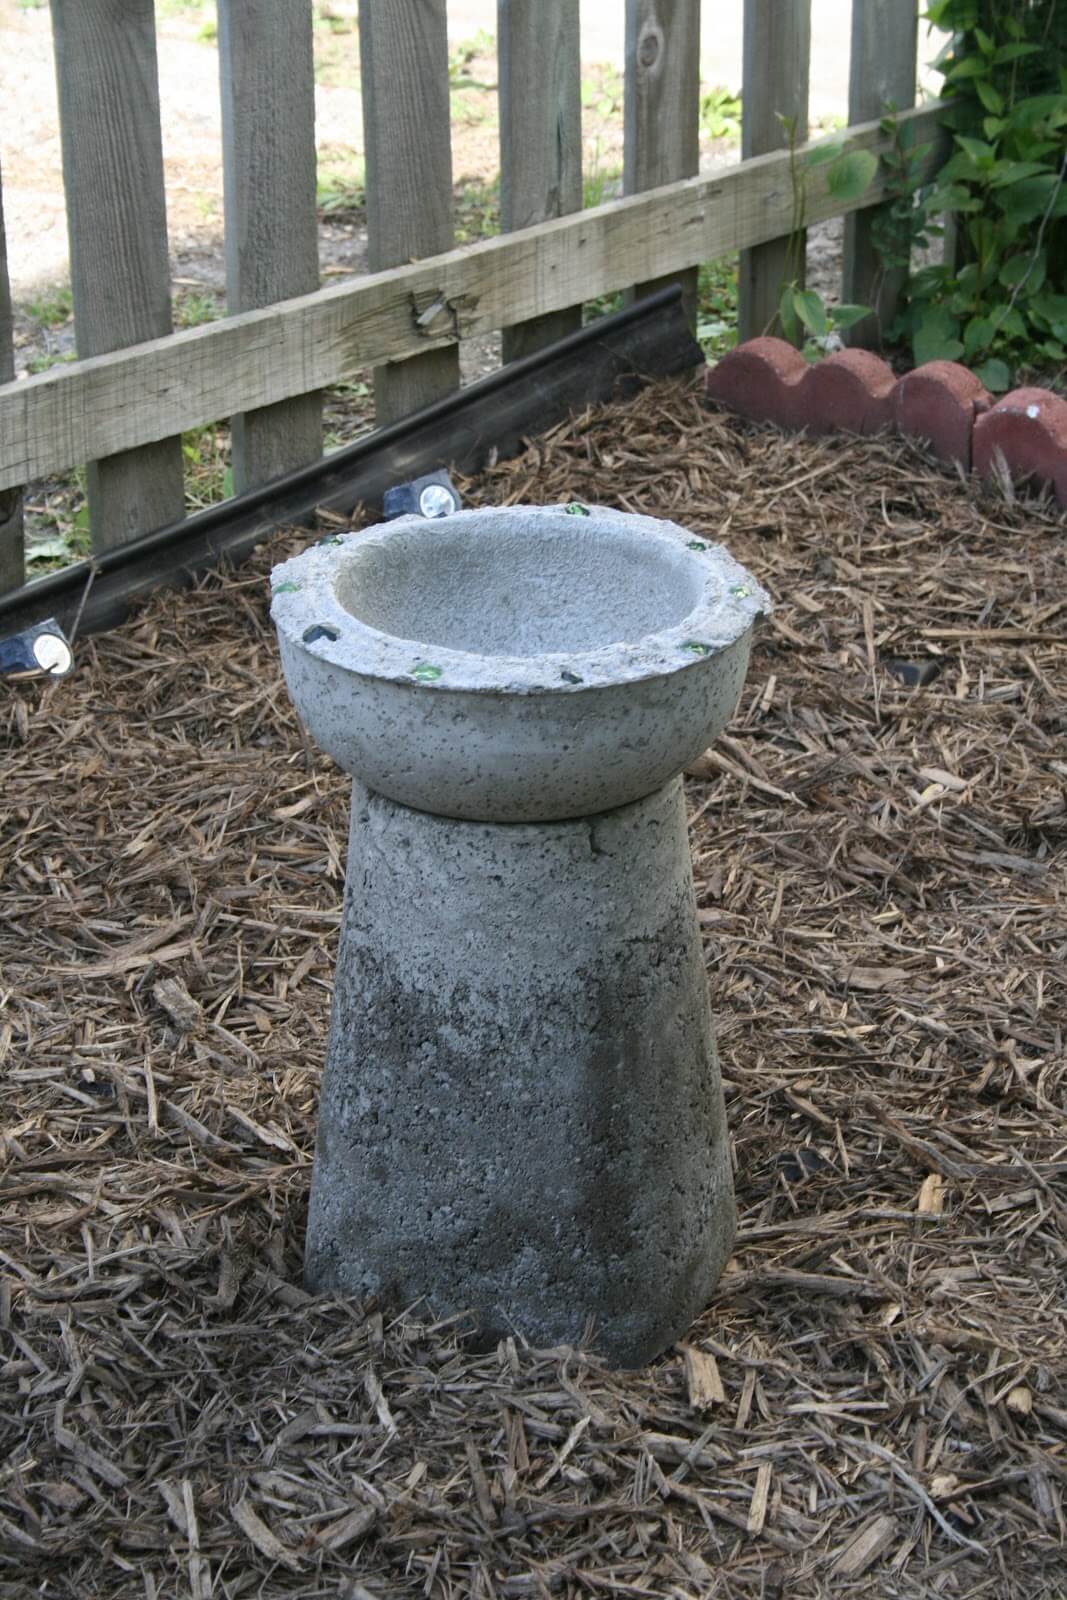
point(539, 69)
point(661, 117)
point(12, 553)
point(777, 53)
point(407, 140)
point(272, 247)
point(881, 73)
point(116, 217)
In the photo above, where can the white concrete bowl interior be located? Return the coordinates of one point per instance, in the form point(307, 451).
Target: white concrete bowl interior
point(516, 663)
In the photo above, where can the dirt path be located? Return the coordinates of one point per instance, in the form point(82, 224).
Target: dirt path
point(188, 71)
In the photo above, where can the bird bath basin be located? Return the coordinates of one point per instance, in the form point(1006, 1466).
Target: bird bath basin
point(521, 1110)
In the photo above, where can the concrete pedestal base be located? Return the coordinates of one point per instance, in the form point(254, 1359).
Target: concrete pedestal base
point(521, 1111)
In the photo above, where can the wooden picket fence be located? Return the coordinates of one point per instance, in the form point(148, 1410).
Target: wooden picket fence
point(122, 406)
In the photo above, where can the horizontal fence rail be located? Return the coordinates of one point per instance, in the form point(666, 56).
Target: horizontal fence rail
point(120, 410)
point(93, 408)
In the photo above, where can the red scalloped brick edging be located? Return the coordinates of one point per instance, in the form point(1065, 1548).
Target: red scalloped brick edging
point(1028, 428)
point(941, 402)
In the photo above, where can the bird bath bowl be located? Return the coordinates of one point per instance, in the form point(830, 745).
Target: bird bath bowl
point(521, 1110)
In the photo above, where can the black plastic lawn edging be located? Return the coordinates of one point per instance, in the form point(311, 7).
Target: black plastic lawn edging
point(611, 357)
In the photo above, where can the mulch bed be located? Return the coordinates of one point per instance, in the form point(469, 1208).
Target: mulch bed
point(876, 1400)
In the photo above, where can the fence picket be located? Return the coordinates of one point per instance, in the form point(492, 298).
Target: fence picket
point(268, 148)
point(407, 140)
point(12, 556)
point(777, 53)
point(116, 217)
point(881, 73)
point(539, 71)
point(51, 422)
point(662, 108)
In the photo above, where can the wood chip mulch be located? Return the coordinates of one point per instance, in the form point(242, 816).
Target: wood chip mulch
point(876, 1401)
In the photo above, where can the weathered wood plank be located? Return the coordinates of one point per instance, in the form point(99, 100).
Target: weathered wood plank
point(881, 74)
point(12, 550)
point(56, 419)
point(540, 136)
point(116, 216)
point(662, 108)
point(267, 80)
point(407, 140)
point(774, 84)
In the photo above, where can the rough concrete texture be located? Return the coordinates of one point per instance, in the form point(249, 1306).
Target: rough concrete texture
point(521, 1110)
point(518, 663)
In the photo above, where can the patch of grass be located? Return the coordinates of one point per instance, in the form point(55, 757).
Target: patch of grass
point(720, 114)
point(602, 91)
point(57, 524)
point(341, 184)
point(44, 360)
point(194, 307)
point(53, 309)
point(717, 306)
point(208, 475)
point(476, 209)
point(600, 182)
point(481, 46)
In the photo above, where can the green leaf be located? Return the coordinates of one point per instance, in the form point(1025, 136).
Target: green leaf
point(985, 43)
point(935, 337)
point(1050, 305)
point(48, 549)
point(1014, 52)
point(978, 335)
point(969, 67)
point(850, 177)
point(977, 149)
point(995, 374)
point(810, 309)
point(828, 150)
point(787, 314)
point(991, 98)
point(1006, 172)
point(1053, 349)
point(847, 316)
point(992, 126)
point(1028, 200)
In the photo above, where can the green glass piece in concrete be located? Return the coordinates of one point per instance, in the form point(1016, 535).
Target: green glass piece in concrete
point(571, 677)
point(697, 647)
point(741, 590)
point(425, 672)
point(286, 588)
point(696, 544)
point(573, 509)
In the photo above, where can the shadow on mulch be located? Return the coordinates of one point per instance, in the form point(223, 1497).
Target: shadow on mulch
point(875, 1400)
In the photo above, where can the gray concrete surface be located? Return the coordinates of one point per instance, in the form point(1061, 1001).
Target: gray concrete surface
point(521, 1112)
point(515, 664)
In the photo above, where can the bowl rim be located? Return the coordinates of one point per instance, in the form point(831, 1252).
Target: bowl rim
point(304, 601)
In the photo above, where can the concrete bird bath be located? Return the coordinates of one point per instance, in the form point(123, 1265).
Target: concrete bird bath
point(521, 1110)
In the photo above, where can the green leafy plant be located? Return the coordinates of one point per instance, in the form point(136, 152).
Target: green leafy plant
point(720, 114)
point(809, 322)
point(1000, 301)
point(805, 319)
point(717, 306)
point(603, 92)
point(52, 309)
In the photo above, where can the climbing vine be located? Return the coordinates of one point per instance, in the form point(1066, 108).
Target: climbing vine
point(999, 300)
